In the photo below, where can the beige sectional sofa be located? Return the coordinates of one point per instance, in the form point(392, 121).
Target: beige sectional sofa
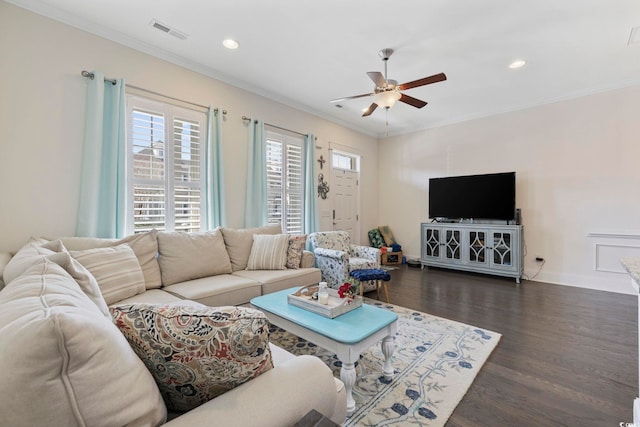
point(67, 363)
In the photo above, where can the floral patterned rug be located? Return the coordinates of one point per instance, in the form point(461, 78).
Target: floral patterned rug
point(435, 362)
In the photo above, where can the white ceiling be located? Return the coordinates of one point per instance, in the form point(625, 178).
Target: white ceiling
point(305, 53)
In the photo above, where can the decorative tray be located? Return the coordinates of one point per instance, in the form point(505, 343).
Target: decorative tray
point(336, 306)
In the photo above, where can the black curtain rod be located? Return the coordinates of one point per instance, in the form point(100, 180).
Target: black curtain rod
point(91, 76)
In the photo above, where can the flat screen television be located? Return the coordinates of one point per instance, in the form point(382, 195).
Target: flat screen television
point(488, 196)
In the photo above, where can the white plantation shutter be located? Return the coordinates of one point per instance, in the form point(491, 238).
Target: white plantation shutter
point(165, 145)
point(187, 167)
point(285, 181)
point(294, 185)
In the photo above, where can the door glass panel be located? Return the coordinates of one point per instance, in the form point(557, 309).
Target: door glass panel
point(433, 242)
point(452, 244)
point(502, 248)
point(477, 246)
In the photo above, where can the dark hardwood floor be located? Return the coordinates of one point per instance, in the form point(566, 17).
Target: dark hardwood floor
point(568, 356)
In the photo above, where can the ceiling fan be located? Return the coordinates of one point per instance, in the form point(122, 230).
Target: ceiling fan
point(388, 91)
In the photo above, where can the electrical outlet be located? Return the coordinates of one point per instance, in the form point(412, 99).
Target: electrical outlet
point(539, 259)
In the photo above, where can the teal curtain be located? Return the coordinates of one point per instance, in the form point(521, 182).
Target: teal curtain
point(256, 194)
point(215, 214)
point(311, 221)
point(101, 208)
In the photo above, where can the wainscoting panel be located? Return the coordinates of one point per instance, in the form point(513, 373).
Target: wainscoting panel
point(609, 247)
point(608, 257)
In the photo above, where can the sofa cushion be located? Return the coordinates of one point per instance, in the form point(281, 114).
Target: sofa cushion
point(186, 256)
point(196, 353)
point(32, 252)
point(68, 364)
point(268, 252)
point(295, 250)
point(5, 257)
point(223, 289)
point(277, 280)
point(239, 243)
point(150, 296)
point(87, 282)
point(144, 245)
point(116, 270)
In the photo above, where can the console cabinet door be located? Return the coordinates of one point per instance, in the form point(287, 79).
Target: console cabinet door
point(452, 244)
point(431, 242)
point(502, 253)
point(477, 250)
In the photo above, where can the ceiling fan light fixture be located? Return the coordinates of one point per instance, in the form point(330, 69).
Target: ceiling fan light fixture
point(230, 43)
point(387, 98)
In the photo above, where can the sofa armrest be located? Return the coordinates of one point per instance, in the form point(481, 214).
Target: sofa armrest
point(366, 252)
point(5, 257)
point(279, 397)
point(308, 259)
point(339, 256)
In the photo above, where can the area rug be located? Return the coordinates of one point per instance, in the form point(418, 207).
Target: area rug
point(435, 362)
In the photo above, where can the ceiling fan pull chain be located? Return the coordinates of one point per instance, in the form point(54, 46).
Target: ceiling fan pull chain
point(386, 121)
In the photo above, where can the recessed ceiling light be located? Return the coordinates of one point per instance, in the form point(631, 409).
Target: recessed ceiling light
point(230, 43)
point(517, 64)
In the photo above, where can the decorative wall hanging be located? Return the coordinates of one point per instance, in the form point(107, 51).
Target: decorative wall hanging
point(321, 160)
point(323, 187)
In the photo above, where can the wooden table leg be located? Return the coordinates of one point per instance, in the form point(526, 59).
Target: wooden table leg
point(386, 293)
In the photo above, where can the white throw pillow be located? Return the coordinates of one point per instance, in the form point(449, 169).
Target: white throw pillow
point(116, 270)
point(65, 363)
point(239, 242)
point(269, 252)
point(187, 256)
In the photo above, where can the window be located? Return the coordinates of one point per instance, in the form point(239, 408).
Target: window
point(344, 161)
point(285, 181)
point(165, 166)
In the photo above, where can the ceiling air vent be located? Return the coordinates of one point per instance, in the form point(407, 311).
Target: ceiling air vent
point(167, 29)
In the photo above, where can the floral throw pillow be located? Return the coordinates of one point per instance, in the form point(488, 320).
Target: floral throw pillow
point(295, 250)
point(376, 238)
point(196, 353)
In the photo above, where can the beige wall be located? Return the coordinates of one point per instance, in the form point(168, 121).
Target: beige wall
point(42, 100)
point(577, 172)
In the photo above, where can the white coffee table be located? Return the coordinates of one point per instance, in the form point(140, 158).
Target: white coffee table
point(346, 335)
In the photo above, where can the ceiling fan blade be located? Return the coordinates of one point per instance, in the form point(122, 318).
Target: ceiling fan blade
point(412, 101)
point(377, 78)
point(424, 81)
point(370, 110)
point(351, 97)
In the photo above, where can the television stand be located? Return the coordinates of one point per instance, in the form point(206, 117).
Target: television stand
point(482, 248)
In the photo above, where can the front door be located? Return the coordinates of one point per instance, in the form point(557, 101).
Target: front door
point(345, 200)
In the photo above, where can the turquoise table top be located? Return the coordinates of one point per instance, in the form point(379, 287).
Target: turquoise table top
point(348, 328)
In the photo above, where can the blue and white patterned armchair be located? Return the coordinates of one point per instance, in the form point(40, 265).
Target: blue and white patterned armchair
point(336, 257)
